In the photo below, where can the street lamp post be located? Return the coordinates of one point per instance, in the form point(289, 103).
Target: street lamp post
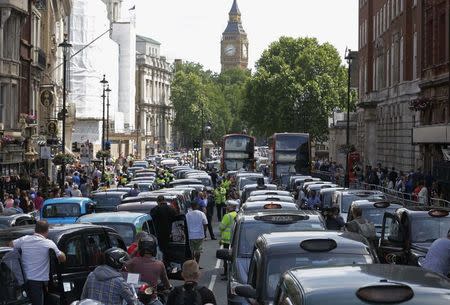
point(349, 57)
point(66, 46)
point(104, 83)
point(107, 113)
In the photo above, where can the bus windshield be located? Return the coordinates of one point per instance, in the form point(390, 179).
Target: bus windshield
point(236, 143)
point(292, 143)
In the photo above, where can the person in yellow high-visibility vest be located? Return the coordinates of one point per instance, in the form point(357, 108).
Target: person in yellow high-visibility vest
point(225, 228)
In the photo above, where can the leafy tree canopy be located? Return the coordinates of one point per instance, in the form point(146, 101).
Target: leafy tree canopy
point(298, 82)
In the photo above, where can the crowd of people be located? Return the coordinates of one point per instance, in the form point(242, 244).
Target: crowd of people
point(413, 185)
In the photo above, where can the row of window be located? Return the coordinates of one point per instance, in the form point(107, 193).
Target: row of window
point(388, 68)
point(381, 20)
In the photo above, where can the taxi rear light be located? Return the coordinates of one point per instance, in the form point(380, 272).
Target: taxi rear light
point(385, 293)
point(318, 245)
point(271, 206)
point(381, 204)
point(438, 213)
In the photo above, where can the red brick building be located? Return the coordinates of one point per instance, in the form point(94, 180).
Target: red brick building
point(389, 77)
point(433, 104)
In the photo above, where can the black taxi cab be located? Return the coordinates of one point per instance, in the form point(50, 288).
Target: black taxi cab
point(408, 233)
point(83, 245)
point(247, 229)
point(275, 253)
point(362, 285)
point(373, 211)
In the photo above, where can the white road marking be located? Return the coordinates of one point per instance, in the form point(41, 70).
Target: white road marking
point(214, 277)
point(212, 282)
point(218, 263)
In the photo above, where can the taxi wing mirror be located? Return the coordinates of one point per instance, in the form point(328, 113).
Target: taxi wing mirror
point(224, 254)
point(246, 291)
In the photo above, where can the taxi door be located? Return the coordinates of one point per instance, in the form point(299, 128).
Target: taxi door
point(178, 250)
point(391, 248)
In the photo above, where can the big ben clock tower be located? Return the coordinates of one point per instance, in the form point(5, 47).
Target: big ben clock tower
point(234, 44)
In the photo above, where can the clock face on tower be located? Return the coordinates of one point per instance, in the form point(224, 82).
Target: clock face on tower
point(230, 50)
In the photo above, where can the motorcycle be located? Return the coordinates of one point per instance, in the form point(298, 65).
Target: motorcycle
point(146, 294)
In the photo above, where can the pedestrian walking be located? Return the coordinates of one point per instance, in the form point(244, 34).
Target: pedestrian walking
point(162, 217)
point(225, 229)
point(36, 260)
point(190, 293)
point(210, 205)
point(196, 224)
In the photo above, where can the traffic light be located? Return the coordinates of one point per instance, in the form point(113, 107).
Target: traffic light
point(75, 147)
point(196, 143)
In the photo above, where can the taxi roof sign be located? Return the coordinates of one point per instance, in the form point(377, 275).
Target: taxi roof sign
point(438, 213)
point(385, 293)
point(381, 204)
point(280, 219)
point(318, 245)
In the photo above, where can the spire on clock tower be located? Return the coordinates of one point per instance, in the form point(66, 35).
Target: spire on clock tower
point(234, 44)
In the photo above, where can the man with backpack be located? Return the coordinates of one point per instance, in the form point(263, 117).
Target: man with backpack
point(190, 293)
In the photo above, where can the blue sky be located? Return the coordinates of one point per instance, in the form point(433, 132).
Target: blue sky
point(192, 29)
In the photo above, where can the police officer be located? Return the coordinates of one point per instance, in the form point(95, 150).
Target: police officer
point(225, 228)
point(220, 194)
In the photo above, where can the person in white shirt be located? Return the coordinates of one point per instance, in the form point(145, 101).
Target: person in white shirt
point(36, 260)
point(75, 192)
point(196, 222)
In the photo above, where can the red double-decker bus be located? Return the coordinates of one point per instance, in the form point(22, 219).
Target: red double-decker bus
point(289, 154)
point(238, 152)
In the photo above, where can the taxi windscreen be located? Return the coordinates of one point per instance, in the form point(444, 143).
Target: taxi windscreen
point(280, 264)
point(348, 199)
point(126, 231)
point(375, 215)
point(101, 201)
point(428, 229)
point(251, 230)
point(61, 210)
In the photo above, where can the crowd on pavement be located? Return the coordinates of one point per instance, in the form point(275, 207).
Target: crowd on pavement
point(413, 185)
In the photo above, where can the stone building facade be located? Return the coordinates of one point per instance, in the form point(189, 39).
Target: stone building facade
point(234, 44)
point(389, 78)
point(155, 112)
point(30, 32)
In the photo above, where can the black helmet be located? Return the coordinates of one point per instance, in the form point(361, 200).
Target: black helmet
point(115, 257)
point(147, 244)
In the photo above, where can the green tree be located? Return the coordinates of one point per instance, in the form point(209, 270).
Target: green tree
point(298, 82)
point(218, 97)
point(232, 85)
